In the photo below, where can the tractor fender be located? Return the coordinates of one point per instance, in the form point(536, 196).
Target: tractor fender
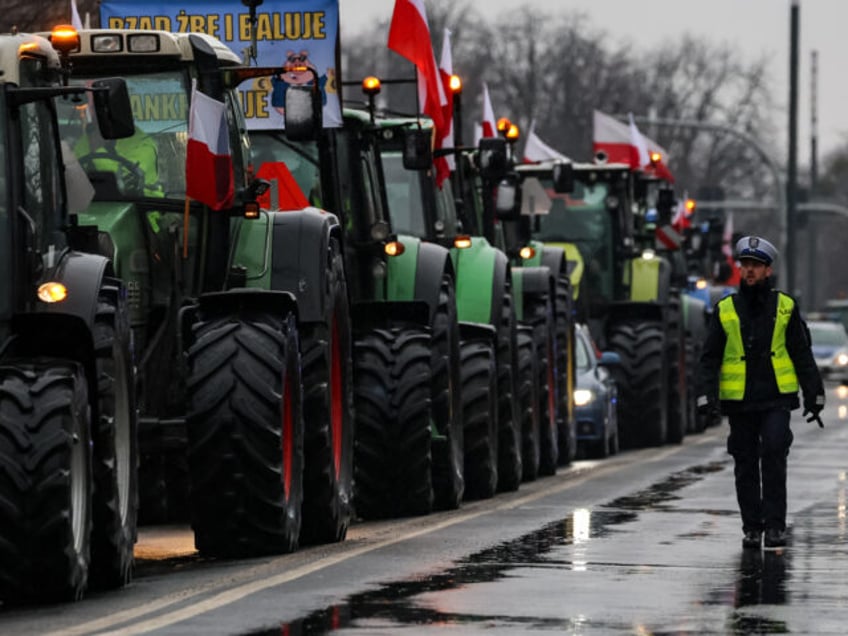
point(534, 280)
point(500, 280)
point(233, 302)
point(528, 282)
point(65, 329)
point(379, 314)
point(82, 275)
point(469, 331)
point(481, 277)
point(554, 259)
point(300, 258)
point(434, 262)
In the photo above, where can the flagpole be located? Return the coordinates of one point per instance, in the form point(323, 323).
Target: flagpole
point(186, 217)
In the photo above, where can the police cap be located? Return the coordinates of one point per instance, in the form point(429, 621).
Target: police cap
point(756, 248)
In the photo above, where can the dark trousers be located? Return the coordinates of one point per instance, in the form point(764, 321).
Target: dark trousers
point(759, 442)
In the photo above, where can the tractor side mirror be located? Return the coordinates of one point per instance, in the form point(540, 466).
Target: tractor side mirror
point(113, 108)
point(417, 149)
point(303, 113)
point(563, 177)
point(492, 158)
point(508, 198)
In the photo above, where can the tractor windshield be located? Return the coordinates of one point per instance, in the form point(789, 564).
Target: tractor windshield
point(582, 218)
point(403, 191)
point(151, 163)
point(301, 159)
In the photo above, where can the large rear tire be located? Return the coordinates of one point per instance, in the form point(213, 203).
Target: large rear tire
point(528, 402)
point(642, 382)
point(448, 479)
point(509, 417)
point(115, 445)
point(328, 415)
point(479, 413)
point(46, 484)
point(393, 452)
point(539, 314)
point(566, 371)
point(245, 435)
point(676, 356)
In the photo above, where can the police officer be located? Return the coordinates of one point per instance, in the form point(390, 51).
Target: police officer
point(756, 353)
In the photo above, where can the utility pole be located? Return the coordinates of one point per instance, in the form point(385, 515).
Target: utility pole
point(814, 122)
point(814, 178)
point(792, 167)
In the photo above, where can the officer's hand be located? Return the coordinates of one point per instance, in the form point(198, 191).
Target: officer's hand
point(813, 411)
point(709, 408)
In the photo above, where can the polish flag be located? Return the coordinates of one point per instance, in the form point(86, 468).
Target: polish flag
point(75, 16)
point(444, 165)
point(638, 142)
point(409, 37)
point(624, 143)
point(681, 220)
point(536, 150)
point(727, 249)
point(209, 163)
point(490, 126)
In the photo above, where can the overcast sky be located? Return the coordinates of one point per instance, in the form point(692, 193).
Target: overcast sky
point(755, 26)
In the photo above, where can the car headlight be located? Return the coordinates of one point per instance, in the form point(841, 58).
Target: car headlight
point(842, 359)
point(583, 396)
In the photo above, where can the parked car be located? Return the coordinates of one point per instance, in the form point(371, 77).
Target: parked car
point(595, 398)
point(830, 348)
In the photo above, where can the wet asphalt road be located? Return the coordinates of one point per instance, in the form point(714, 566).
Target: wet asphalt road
point(648, 542)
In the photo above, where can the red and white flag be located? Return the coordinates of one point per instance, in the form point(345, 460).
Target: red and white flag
point(490, 126)
point(622, 143)
point(444, 165)
point(682, 219)
point(727, 237)
point(536, 150)
point(727, 249)
point(409, 37)
point(638, 142)
point(75, 16)
point(209, 163)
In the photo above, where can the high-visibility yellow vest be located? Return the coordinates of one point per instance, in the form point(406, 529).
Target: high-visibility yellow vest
point(732, 376)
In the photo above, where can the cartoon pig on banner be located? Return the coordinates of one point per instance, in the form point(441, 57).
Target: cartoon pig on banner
point(299, 71)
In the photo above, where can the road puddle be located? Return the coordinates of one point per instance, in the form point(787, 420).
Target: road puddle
point(397, 604)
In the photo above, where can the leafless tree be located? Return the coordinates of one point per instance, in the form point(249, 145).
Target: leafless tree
point(43, 16)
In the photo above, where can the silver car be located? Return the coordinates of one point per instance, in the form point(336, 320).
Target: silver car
point(830, 348)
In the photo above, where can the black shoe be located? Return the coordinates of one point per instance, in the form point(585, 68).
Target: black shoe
point(775, 538)
point(752, 539)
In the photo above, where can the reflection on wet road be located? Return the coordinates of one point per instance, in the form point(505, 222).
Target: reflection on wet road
point(564, 546)
point(655, 561)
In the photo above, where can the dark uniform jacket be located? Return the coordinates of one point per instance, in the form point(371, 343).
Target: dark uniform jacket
point(757, 309)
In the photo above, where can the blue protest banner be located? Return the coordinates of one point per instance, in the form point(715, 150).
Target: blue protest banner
point(288, 32)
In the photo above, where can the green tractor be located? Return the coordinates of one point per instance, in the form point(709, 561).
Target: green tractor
point(630, 288)
point(407, 376)
point(68, 436)
point(543, 287)
point(488, 330)
point(240, 315)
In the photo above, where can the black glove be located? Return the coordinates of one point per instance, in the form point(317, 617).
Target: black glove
point(813, 411)
point(709, 409)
